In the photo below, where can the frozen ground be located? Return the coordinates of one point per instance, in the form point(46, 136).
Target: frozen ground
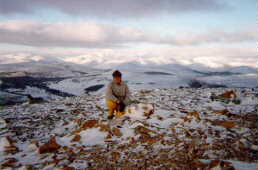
point(186, 131)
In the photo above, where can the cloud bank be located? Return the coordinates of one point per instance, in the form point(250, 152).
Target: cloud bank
point(111, 8)
point(93, 35)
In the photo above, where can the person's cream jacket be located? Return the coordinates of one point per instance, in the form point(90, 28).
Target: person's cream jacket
point(118, 92)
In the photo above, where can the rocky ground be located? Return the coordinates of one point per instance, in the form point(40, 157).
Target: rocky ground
point(189, 129)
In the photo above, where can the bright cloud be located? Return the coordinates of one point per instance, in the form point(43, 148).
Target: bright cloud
point(208, 55)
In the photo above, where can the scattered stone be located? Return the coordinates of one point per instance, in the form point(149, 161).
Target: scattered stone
point(9, 163)
point(117, 132)
point(143, 130)
point(115, 156)
point(145, 91)
point(225, 124)
point(49, 147)
point(9, 145)
point(77, 111)
point(68, 168)
point(89, 124)
point(76, 138)
point(103, 127)
point(228, 95)
point(221, 112)
point(218, 164)
point(195, 114)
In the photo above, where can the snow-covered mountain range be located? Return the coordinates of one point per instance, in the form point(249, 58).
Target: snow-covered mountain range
point(52, 77)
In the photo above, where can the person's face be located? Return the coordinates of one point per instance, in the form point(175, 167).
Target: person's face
point(118, 80)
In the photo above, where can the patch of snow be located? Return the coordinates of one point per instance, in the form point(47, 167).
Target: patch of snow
point(92, 137)
point(3, 144)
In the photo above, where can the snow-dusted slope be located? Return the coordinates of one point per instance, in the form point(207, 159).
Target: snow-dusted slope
point(27, 58)
point(36, 77)
point(187, 130)
point(139, 76)
point(45, 69)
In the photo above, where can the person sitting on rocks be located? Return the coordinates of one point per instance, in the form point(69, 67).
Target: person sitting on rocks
point(117, 95)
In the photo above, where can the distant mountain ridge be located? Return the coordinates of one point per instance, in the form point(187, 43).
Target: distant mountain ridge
point(60, 78)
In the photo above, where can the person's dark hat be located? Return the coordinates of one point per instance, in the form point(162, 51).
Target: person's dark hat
point(117, 73)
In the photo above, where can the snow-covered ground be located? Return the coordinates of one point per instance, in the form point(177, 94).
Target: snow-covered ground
point(187, 130)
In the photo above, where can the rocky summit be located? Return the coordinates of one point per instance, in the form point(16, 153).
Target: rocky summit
point(185, 128)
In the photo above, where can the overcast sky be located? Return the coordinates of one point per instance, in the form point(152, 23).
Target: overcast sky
point(216, 33)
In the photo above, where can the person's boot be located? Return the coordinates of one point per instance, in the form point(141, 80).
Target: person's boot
point(121, 107)
point(119, 114)
point(110, 117)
